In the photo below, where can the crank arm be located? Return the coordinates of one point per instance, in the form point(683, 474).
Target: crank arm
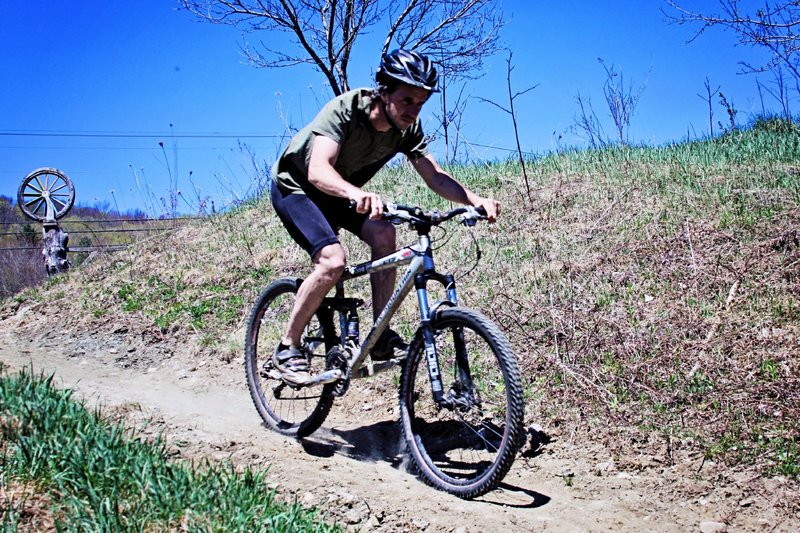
point(329, 376)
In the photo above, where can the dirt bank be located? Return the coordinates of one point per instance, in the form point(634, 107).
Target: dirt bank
point(354, 467)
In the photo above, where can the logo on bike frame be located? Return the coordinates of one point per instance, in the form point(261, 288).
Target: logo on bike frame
point(363, 268)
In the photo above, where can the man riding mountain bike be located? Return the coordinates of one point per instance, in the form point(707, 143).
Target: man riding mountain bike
point(323, 170)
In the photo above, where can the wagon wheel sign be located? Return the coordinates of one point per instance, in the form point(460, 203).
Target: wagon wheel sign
point(46, 194)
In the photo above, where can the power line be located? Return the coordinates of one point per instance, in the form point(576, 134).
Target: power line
point(104, 220)
point(91, 232)
point(500, 148)
point(135, 135)
point(162, 135)
point(115, 148)
point(109, 247)
point(157, 135)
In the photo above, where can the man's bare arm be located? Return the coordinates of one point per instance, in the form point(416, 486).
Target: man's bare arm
point(323, 176)
point(449, 188)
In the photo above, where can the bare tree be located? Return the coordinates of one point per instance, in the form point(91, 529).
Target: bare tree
point(450, 120)
point(323, 33)
point(709, 98)
point(779, 90)
point(621, 100)
point(588, 122)
point(773, 26)
point(511, 111)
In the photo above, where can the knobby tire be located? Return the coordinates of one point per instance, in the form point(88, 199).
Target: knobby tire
point(289, 411)
point(466, 452)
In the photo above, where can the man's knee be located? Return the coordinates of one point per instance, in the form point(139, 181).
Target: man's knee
point(331, 261)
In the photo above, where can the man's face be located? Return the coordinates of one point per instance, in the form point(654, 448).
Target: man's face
point(404, 104)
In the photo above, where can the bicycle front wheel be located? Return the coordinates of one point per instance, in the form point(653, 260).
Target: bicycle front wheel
point(292, 411)
point(466, 446)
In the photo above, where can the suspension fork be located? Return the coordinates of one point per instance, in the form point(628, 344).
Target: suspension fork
point(429, 344)
point(462, 360)
point(459, 344)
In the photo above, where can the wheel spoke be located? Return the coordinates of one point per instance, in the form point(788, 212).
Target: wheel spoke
point(56, 189)
point(64, 198)
point(481, 436)
point(58, 204)
point(30, 185)
point(44, 190)
point(38, 201)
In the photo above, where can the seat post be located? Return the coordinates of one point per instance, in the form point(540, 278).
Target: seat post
point(339, 291)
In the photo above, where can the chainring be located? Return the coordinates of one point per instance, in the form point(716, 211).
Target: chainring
point(336, 359)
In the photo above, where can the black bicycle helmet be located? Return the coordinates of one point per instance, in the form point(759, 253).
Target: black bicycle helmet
point(409, 67)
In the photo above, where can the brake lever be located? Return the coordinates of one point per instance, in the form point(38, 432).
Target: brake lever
point(472, 216)
point(394, 215)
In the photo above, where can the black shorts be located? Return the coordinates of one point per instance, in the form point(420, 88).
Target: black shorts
point(314, 223)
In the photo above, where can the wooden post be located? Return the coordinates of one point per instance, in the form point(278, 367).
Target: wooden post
point(55, 248)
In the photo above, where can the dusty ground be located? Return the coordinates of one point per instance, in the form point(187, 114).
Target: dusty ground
point(353, 468)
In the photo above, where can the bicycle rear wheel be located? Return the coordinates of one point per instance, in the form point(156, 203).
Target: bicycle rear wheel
point(467, 448)
point(296, 412)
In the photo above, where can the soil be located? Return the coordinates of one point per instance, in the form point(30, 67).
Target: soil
point(354, 469)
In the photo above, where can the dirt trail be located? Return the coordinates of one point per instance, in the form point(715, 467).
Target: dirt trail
point(354, 469)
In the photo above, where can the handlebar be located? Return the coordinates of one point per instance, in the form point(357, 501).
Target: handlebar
point(398, 214)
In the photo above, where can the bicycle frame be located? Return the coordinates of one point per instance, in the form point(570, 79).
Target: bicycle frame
point(421, 269)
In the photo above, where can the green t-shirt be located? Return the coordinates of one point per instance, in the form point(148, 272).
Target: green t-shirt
point(363, 150)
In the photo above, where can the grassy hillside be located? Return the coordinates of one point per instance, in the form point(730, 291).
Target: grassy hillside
point(652, 295)
point(21, 262)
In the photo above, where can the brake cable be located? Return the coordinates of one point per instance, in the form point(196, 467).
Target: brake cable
point(478, 253)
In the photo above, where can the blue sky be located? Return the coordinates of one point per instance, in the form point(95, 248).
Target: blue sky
point(144, 67)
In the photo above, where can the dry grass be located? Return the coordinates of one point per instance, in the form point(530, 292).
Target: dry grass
point(24, 508)
point(649, 291)
point(20, 269)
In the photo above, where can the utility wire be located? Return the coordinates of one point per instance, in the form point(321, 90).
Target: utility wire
point(157, 135)
point(147, 135)
point(108, 220)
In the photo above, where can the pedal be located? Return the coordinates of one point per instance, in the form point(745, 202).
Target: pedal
point(329, 376)
point(271, 373)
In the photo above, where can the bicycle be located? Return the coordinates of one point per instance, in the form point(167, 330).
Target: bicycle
point(461, 403)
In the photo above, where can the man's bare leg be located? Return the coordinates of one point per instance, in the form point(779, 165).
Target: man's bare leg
point(328, 267)
point(381, 237)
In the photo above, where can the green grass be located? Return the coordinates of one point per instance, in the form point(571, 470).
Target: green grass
point(781, 453)
point(100, 477)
